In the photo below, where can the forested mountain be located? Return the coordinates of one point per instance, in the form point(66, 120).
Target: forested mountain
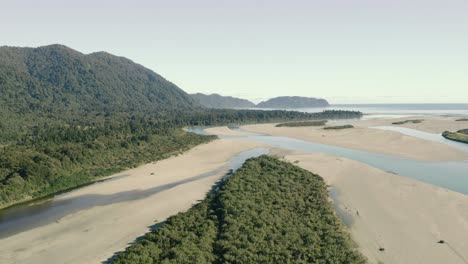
point(56, 78)
point(67, 118)
point(269, 211)
point(218, 101)
point(286, 102)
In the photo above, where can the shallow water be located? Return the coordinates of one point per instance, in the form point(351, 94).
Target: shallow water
point(26, 216)
point(426, 136)
point(451, 175)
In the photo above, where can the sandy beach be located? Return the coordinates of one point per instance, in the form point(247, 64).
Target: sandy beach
point(225, 131)
point(93, 235)
point(403, 216)
point(375, 140)
point(431, 124)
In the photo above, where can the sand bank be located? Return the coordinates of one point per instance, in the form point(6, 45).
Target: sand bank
point(431, 124)
point(363, 138)
point(93, 235)
point(403, 216)
point(225, 131)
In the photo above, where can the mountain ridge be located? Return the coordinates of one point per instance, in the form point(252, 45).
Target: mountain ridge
point(56, 77)
point(220, 101)
point(282, 102)
point(290, 102)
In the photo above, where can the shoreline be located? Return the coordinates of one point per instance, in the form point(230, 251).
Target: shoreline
point(400, 215)
point(361, 137)
point(409, 207)
point(87, 235)
point(98, 179)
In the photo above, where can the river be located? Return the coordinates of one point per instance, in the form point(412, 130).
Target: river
point(450, 175)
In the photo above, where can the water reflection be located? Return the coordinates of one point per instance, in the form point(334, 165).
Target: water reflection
point(27, 216)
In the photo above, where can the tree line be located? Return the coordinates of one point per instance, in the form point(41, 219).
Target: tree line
point(268, 211)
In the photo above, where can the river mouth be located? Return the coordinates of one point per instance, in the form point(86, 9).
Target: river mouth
point(452, 175)
point(449, 175)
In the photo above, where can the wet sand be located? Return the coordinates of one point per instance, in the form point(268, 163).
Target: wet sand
point(405, 217)
point(363, 138)
point(94, 234)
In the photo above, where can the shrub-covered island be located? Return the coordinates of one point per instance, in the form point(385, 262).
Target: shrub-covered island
point(303, 123)
point(338, 127)
point(411, 121)
point(459, 136)
point(269, 211)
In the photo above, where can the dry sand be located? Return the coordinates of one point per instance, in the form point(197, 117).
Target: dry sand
point(225, 131)
point(93, 235)
point(431, 124)
point(404, 216)
point(363, 138)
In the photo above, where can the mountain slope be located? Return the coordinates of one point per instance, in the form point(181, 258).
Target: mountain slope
point(293, 102)
point(56, 78)
point(218, 101)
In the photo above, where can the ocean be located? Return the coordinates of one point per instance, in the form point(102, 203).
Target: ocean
point(396, 110)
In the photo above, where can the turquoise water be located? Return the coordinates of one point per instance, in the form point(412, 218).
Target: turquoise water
point(450, 175)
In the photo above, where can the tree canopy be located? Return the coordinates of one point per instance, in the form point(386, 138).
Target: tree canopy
point(269, 211)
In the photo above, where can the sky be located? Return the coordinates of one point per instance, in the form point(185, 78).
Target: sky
point(360, 51)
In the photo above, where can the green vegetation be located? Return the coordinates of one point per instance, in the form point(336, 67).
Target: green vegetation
point(462, 119)
point(459, 136)
point(268, 211)
point(303, 123)
point(412, 121)
point(40, 159)
point(218, 101)
point(291, 102)
point(67, 118)
point(338, 127)
point(56, 79)
point(48, 160)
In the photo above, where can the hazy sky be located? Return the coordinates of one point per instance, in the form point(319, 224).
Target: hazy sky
point(348, 51)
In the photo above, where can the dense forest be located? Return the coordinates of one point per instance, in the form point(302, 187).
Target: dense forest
point(288, 102)
point(268, 211)
point(56, 78)
point(47, 158)
point(219, 101)
point(67, 118)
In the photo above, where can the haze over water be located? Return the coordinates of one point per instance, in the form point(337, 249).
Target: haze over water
point(396, 110)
